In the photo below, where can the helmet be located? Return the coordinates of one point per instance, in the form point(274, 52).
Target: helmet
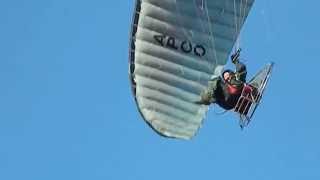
point(231, 73)
point(227, 71)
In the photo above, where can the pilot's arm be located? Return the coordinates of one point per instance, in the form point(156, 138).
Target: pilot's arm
point(241, 71)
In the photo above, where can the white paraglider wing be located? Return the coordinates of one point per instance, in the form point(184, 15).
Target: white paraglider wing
point(176, 47)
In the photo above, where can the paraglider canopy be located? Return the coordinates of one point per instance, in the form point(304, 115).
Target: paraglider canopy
point(177, 46)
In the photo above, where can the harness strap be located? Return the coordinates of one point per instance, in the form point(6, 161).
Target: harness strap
point(233, 90)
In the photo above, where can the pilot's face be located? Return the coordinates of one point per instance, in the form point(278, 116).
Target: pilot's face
point(226, 76)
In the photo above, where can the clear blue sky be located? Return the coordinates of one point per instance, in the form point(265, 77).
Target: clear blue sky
point(67, 112)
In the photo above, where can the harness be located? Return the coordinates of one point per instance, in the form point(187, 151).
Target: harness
point(233, 90)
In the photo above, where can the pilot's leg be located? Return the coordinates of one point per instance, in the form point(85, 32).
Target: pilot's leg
point(208, 95)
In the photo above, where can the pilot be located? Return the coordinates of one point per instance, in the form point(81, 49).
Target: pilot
point(226, 90)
